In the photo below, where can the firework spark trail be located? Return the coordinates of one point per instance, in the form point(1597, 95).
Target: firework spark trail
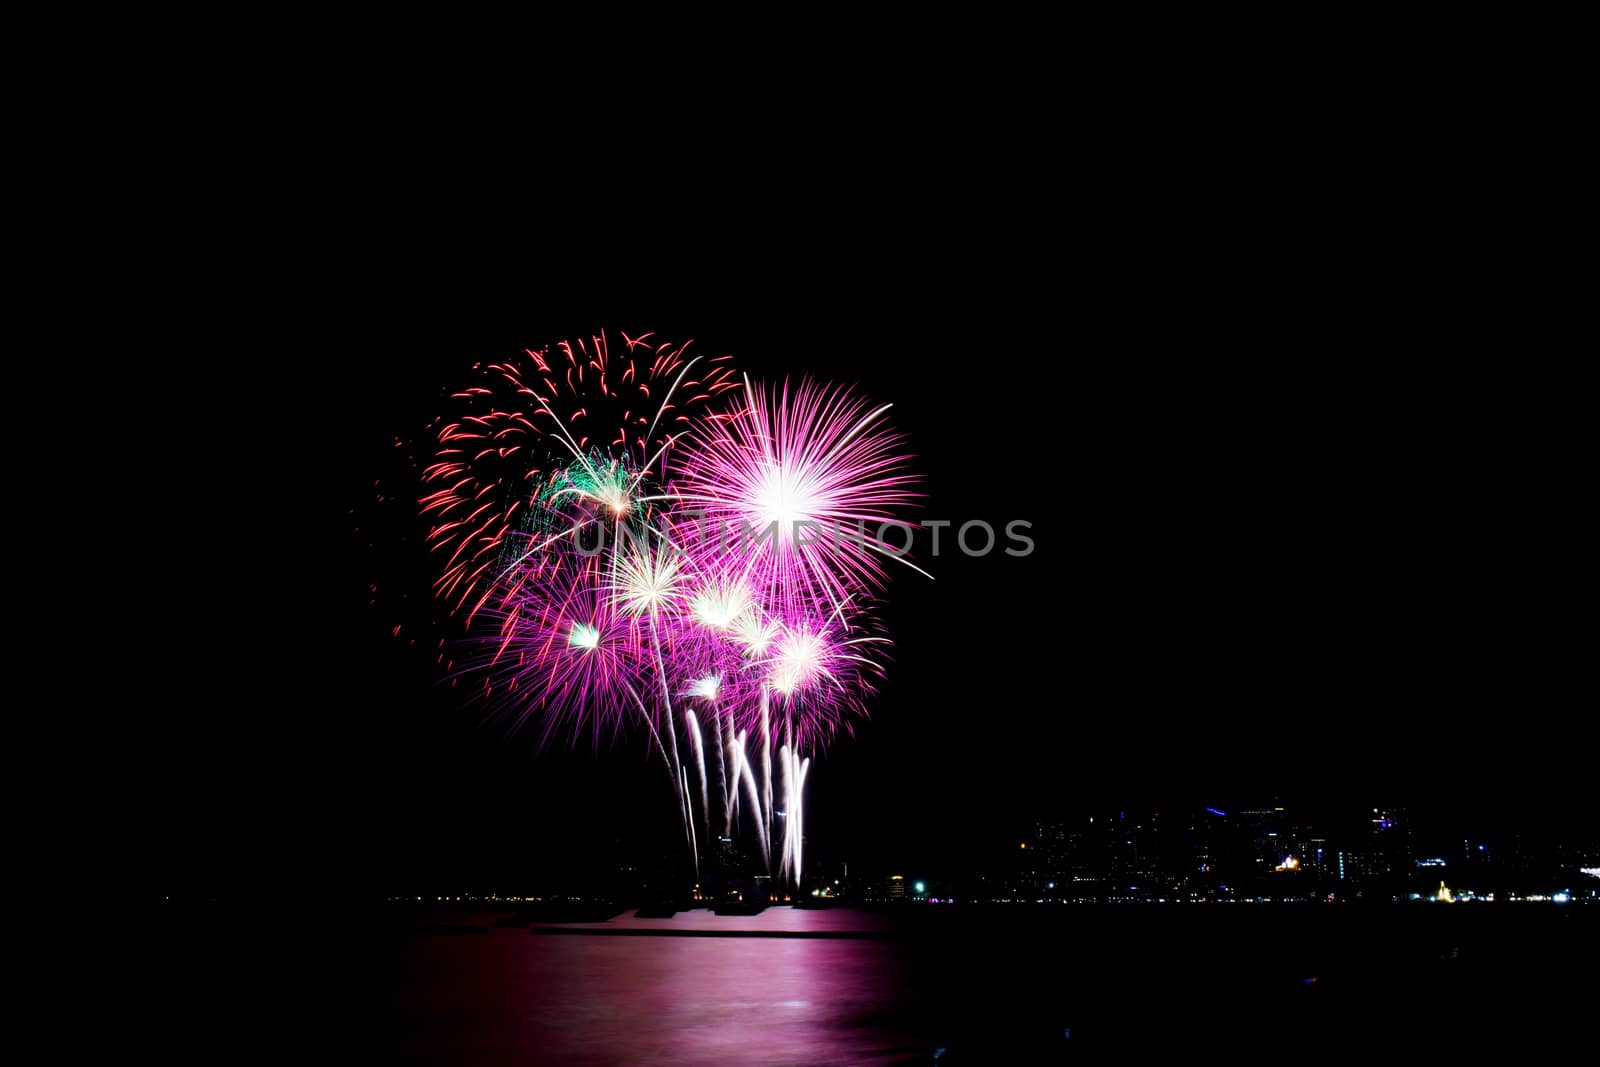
point(646, 582)
point(794, 772)
point(722, 762)
point(672, 733)
point(800, 814)
point(700, 759)
point(694, 844)
point(766, 765)
point(762, 818)
point(655, 735)
point(677, 768)
point(731, 810)
point(786, 859)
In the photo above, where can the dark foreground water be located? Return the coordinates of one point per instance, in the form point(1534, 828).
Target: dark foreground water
point(984, 985)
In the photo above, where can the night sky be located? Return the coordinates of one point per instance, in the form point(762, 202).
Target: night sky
point(1291, 543)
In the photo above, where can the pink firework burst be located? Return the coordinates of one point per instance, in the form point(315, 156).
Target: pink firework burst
point(798, 484)
point(566, 652)
point(819, 672)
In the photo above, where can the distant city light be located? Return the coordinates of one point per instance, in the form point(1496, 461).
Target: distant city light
point(1096, 862)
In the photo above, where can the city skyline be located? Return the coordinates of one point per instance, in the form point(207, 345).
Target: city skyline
point(1133, 854)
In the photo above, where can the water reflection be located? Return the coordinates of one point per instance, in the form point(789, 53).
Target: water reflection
point(658, 1000)
point(987, 985)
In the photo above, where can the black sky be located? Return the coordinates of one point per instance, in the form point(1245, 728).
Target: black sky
point(1296, 537)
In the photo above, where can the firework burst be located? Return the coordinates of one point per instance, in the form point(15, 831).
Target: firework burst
point(798, 484)
point(652, 556)
point(565, 653)
point(527, 417)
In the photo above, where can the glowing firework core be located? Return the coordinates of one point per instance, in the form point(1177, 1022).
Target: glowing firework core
point(706, 688)
point(584, 636)
point(783, 497)
point(720, 606)
point(800, 657)
point(605, 484)
point(646, 581)
point(754, 633)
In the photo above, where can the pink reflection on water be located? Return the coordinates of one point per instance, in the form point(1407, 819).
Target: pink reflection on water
point(659, 1000)
point(777, 919)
